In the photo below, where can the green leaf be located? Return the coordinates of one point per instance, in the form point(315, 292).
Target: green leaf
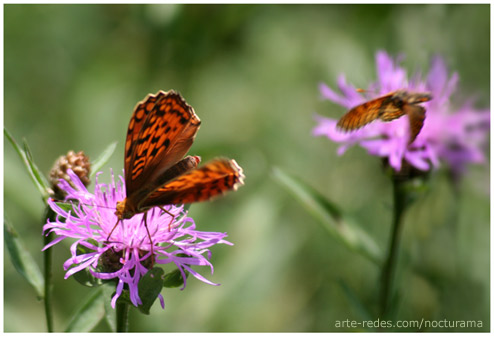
point(67, 206)
point(25, 155)
point(22, 260)
point(87, 279)
point(174, 279)
point(187, 207)
point(40, 178)
point(102, 159)
point(340, 226)
point(150, 286)
point(89, 314)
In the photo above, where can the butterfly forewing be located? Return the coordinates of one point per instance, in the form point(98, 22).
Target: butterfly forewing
point(165, 135)
point(141, 111)
point(214, 178)
point(367, 112)
point(387, 108)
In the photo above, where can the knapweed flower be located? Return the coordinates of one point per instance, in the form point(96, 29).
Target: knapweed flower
point(78, 162)
point(126, 254)
point(455, 136)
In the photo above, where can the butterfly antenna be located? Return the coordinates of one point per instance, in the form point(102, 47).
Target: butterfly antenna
point(149, 236)
point(73, 202)
point(366, 91)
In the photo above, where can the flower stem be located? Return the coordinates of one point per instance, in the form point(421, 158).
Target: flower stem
point(122, 316)
point(47, 262)
point(399, 199)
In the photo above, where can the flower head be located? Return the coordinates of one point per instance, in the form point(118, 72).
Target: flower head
point(453, 136)
point(126, 254)
point(78, 162)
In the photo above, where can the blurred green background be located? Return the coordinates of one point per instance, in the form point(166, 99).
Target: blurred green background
point(73, 74)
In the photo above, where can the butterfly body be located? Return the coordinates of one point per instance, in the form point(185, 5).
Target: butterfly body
point(160, 133)
point(387, 108)
point(130, 206)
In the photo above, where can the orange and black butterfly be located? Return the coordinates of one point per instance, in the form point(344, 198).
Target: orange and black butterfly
point(161, 131)
point(387, 108)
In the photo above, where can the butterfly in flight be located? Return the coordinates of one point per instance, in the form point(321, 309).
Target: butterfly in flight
point(386, 108)
point(161, 131)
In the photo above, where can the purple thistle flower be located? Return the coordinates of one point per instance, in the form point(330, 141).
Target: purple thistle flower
point(127, 253)
point(455, 137)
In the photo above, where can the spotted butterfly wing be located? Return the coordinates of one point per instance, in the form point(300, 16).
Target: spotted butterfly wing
point(161, 131)
point(137, 120)
point(382, 107)
point(203, 183)
point(388, 108)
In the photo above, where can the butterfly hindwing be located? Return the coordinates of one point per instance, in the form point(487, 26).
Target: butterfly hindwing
point(416, 117)
point(214, 178)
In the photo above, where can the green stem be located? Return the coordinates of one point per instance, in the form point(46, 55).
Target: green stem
point(47, 262)
point(399, 199)
point(122, 317)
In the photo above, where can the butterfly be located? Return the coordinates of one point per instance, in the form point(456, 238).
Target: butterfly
point(161, 131)
point(386, 108)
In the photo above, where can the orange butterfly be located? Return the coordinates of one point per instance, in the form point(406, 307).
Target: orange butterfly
point(161, 131)
point(387, 108)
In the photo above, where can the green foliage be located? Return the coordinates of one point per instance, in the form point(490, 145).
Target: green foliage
point(331, 216)
point(89, 314)
point(103, 158)
point(174, 279)
point(36, 176)
point(22, 259)
point(150, 287)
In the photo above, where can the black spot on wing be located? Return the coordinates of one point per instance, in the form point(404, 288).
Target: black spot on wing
point(154, 152)
point(143, 139)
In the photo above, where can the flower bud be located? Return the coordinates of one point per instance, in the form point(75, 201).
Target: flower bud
point(78, 162)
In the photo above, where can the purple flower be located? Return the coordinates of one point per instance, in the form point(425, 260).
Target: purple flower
point(126, 255)
point(453, 136)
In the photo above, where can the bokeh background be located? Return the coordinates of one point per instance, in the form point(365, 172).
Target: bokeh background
point(73, 74)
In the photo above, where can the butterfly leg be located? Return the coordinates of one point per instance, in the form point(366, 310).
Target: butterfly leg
point(144, 218)
point(109, 235)
point(172, 217)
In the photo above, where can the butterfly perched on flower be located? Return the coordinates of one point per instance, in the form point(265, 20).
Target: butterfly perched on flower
point(161, 131)
point(387, 108)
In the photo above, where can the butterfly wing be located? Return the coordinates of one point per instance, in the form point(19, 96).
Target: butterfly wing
point(392, 111)
point(138, 118)
point(367, 112)
point(161, 131)
point(388, 108)
point(416, 117)
point(214, 178)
